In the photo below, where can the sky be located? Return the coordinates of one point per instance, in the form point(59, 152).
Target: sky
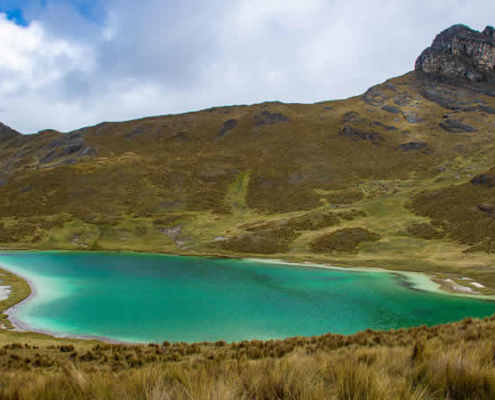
point(65, 64)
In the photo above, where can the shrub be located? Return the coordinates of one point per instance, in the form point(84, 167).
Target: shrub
point(343, 240)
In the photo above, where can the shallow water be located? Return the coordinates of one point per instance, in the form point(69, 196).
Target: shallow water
point(144, 297)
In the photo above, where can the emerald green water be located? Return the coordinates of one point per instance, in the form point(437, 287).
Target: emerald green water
point(143, 297)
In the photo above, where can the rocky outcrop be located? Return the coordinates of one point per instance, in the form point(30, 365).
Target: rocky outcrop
point(267, 118)
point(413, 146)
point(455, 126)
point(483, 180)
point(461, 52)
point(357, 134)
point(391, 109)
point(226, 128)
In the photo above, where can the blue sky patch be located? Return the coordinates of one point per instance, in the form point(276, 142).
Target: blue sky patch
point(92, 10)
point(15, 15)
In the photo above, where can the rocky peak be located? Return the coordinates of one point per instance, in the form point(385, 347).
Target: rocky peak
point(460, 51)
point(489, 32)
point(7, 133)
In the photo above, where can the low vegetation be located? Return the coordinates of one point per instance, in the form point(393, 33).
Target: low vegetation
point(426, 231)
point(343, 240)
point(472, 222)
point(268, 241)
point(452, 361)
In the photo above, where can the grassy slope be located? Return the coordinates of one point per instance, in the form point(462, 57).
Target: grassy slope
point(141, 179)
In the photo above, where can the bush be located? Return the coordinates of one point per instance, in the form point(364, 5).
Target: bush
point(343, 240)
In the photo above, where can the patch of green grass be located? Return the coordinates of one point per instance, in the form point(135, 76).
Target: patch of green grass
point(19, 290)
point(236, 195)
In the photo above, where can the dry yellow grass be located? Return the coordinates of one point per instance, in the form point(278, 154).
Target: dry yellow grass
point(454, 361)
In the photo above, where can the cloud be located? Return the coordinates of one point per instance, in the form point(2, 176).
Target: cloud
point(82, 62)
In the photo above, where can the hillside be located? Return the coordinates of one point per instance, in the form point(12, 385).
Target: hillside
point(400, 177)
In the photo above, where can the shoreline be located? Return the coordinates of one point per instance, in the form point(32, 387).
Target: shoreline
point(436, 284)
point(420, 281)
point(20, 326)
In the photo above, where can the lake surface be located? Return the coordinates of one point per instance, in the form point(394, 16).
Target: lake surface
point(144, 297)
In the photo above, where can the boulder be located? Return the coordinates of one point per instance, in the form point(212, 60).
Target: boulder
point(483, 180)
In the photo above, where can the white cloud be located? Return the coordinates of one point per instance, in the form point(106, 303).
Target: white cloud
point(31, 59)
point(153, 57)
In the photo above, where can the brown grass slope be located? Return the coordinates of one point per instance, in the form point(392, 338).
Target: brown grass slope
point(453, 361)
point(392, 161)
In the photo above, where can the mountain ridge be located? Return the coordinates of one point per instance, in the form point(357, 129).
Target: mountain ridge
point(385, 178)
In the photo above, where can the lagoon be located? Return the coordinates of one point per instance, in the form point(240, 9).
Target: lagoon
point(151, 298)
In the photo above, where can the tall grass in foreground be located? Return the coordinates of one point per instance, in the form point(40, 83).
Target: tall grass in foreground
point(463, 370)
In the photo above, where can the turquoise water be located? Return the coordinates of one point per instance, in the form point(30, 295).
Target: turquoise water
point(143, 297)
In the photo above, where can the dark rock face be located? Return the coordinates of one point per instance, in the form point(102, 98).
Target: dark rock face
point(412, 118)
point(486, 208)
point(455, 126)
point(226, 128)
point(7, 133)
point(181, 136)
point(267, 118)
point(374, 96)
point(386, 127)
point(139, 131)
point(461, 52)
point(483, 180)
point(456, 95)
point(486, 109)
point(391, 109)
point(356, 134)
point(442, 97)
point(352, 116)
point(65, 149)
point(402, 99)
point(412, 146)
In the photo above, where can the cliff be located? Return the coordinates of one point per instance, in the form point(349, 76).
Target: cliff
point(462, 52)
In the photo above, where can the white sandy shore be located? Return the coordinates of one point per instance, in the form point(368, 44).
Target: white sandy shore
point(4, 292)
point(460, 288)
point(18, 325)
point(21, 326)
point(417, 280)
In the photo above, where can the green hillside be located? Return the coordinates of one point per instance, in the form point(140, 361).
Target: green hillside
point(399, 177)
point(271, 180)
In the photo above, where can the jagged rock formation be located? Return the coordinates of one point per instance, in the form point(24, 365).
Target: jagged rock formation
point(460, 51)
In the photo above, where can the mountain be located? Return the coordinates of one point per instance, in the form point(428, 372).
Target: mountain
point(401, 177)
point(7, 133)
